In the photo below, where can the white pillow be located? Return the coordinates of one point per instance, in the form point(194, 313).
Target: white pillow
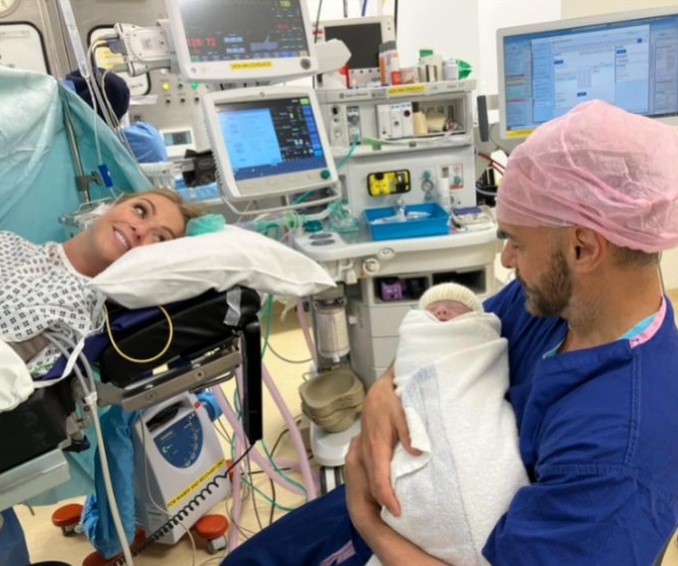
point(186, 267)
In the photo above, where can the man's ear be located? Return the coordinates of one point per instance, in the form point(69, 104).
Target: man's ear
point(589, 249)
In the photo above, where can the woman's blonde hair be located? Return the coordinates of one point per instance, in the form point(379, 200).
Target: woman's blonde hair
point(188, 210)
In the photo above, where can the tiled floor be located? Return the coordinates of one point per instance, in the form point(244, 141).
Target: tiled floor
point(47, 543)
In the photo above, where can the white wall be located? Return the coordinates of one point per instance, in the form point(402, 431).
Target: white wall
point(579, 8)
point(464, 29)
point(495, 14)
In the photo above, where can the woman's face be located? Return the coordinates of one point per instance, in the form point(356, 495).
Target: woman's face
point(146, 219)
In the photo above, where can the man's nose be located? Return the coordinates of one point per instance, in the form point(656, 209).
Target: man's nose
point(507, 257)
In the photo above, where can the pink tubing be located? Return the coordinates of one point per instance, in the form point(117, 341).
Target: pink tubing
point(261, 460)
point(295, 435)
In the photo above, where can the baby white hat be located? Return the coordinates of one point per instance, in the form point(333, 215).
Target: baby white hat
point(451, 292)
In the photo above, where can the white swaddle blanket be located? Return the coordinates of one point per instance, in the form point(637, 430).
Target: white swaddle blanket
point(452, 377)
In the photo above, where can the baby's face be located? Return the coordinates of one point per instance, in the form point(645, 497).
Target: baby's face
point(447, 310)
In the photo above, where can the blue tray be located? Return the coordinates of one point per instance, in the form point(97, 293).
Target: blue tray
point(436, 224)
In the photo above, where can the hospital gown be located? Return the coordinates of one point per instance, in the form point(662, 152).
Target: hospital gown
point(41, 290)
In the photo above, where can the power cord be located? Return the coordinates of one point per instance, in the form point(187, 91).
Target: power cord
point(140, 360)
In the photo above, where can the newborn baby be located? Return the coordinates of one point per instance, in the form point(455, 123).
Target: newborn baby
point(451, 373)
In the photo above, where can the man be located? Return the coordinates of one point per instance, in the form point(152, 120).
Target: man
point(586, 205)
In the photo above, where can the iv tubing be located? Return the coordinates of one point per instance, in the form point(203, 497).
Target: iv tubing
point(262, 461)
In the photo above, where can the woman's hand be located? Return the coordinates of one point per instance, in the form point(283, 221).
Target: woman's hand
point(383, 425)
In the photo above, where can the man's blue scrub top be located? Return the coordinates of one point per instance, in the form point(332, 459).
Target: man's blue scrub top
point(599, 436)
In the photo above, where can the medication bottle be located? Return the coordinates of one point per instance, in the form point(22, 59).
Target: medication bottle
point(388, 57)
point(443, 193)
point(394, 65)
point(450, 70)
point(433, 64)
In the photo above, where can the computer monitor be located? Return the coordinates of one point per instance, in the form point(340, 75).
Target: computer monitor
point(268, 141)
point(362, 36)
point(242, 40)
point(628, 59)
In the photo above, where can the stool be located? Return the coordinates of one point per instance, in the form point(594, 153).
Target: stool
point(67, 518)
point(213, 529)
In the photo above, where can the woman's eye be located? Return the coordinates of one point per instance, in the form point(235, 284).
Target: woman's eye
point(140, 209)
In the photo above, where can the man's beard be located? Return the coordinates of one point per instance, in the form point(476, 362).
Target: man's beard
point(552, 293)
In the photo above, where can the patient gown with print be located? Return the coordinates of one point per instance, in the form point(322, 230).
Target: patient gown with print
point(43, 125)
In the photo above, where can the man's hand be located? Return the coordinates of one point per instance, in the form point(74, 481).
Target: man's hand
point(383, 425)
point(390, 547)
point(363, 509)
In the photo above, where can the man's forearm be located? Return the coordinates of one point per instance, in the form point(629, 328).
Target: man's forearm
point(394, 550)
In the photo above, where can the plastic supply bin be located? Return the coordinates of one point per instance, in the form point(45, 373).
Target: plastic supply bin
point(384, 225)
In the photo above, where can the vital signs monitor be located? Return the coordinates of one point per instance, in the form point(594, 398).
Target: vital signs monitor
point(242, 40)
point(628, 59)
point(268, 141)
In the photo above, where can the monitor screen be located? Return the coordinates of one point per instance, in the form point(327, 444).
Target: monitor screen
point(632, 63)
point(265, 138)
point(362, 41)
point(268, 141)
point(241, 39)
point(231, 30)
point(362, 37)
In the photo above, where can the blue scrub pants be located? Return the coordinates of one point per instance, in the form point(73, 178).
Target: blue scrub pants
point(13, 549)
point(319, 533)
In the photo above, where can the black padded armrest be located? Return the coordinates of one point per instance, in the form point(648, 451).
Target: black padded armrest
point(36, 426)
point(198, 326)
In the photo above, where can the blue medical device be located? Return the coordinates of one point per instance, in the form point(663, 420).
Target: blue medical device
point(178, 454)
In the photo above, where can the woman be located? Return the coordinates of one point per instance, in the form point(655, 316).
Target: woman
point(44, 288)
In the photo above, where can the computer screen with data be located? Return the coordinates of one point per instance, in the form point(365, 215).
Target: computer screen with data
point(268, 141)
point(630, 60)
point(240, 39)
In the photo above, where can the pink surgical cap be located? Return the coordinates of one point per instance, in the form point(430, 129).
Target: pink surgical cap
point(598, 167)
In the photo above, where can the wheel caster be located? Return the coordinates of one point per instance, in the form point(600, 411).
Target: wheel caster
point(213, 529)
point(67, 518)
point(216, 545)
